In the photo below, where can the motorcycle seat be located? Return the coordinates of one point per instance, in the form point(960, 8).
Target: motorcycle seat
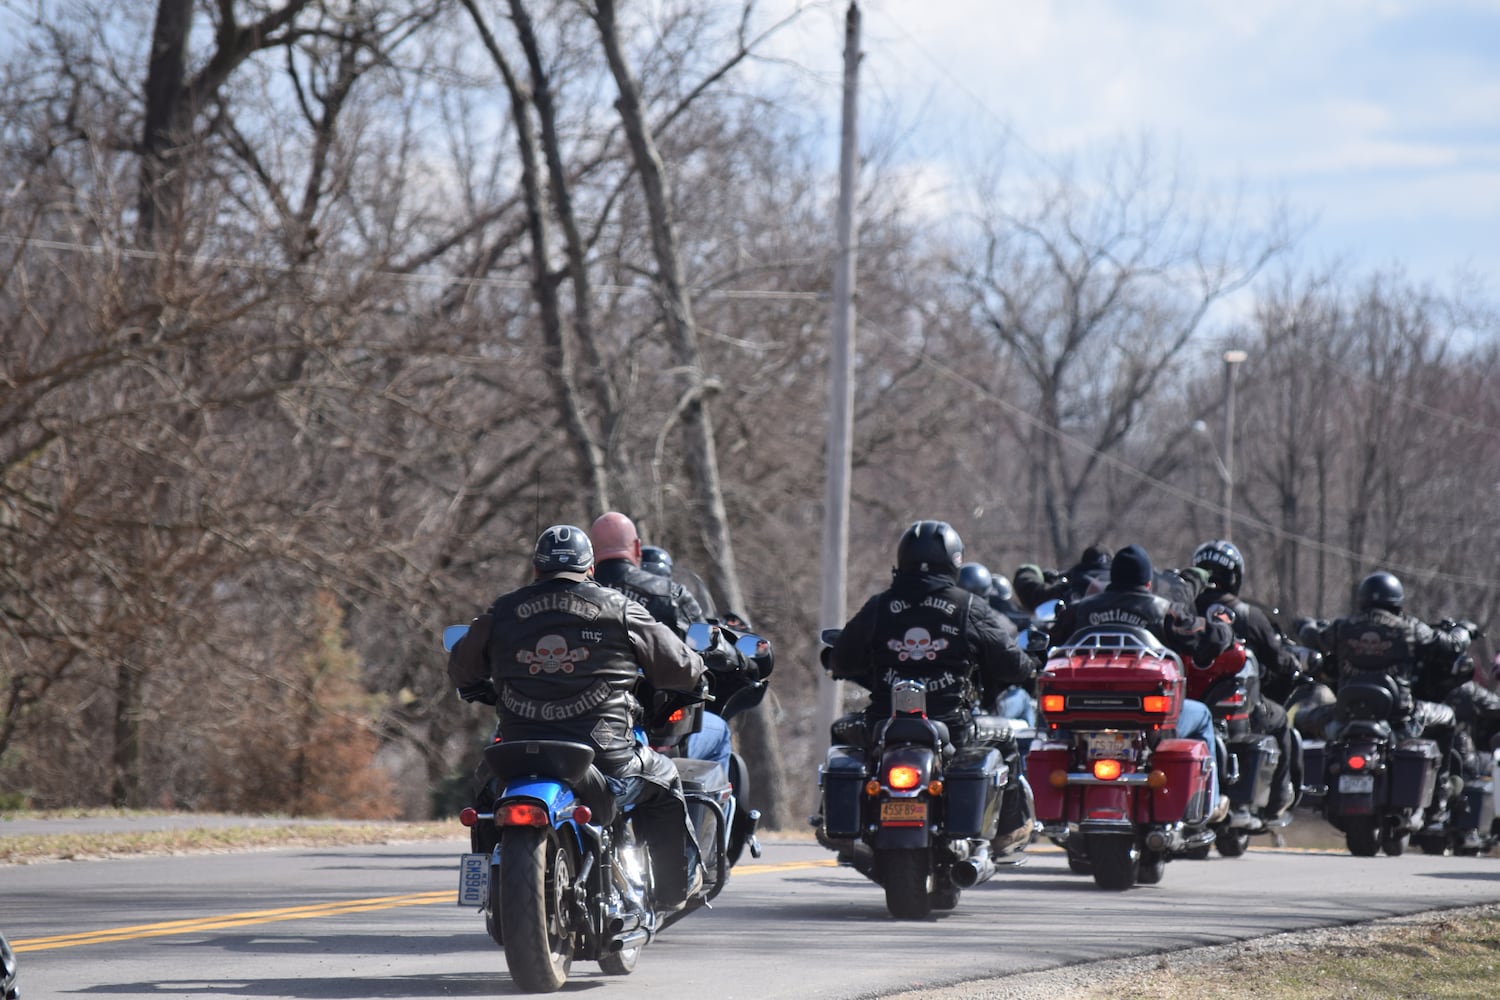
point(913, 729)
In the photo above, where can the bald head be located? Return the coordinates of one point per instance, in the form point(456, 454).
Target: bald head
point(614, 537)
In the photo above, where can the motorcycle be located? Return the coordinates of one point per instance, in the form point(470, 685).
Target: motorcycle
point(556, 864)
point(1114, 787)
point(1377, 784)
point(914, 814)
point(740, 664)
point(8, 988)
point(1230, 687)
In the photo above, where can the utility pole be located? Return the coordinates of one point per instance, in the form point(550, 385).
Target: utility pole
point(834, 608)
point(1232, 360)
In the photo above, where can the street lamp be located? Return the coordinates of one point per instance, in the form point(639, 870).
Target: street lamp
point(1225, 466)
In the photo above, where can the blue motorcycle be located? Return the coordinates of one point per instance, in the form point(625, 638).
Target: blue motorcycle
point(556, 865)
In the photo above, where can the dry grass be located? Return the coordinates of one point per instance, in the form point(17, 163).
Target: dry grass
point(1439, 957)
point(34, 848)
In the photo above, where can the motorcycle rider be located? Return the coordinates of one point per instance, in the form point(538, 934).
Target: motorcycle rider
point(1015, 702)
point(618, 555)
point(1380, 636)
point(655, 559)
point(559, 659)
point(1034, 585)
point(1225, 566)
point(1128, 600)
point(926, 627)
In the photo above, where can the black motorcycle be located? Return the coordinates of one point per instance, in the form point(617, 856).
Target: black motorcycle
point(1377, 783)
point(913, 813)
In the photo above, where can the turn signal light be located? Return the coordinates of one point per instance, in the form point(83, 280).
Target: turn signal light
point(1106, 770)
point(522, 814)
point(1156, 780)
point(1357, 763)
point(469, 816)
point(904, 778)
point(1058, 778)
point(582, 814)
point(1052, 703)
point(872, 788)
point(935, 787)
point(676, 716)
point(1156, 704)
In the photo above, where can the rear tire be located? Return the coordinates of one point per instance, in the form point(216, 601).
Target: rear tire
point(1393, 842)
point(536, 876)
point(906, 876)
point(1362, 835)
point(1116, 860)
point(1152, 866)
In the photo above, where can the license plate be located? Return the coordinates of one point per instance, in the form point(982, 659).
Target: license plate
point(903, 811)
point(473, 879)
point(1111, 746)
point(1356, 784)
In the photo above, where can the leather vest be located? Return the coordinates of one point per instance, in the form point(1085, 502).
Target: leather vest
point(922, 633)
point(1376, 639)
point(564, 667)
point(1136, 608)
point(655, 592)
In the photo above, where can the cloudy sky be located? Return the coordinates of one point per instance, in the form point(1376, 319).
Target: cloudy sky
point(1377, 121)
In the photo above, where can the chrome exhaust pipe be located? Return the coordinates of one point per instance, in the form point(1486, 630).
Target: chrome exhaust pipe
point(630, 940)
point(973, 870)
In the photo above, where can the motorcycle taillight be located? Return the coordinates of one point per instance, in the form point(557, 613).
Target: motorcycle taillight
point(1356, 762)
point(522, 814)
point(903, 778)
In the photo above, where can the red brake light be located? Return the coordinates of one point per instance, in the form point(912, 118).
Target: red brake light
point(1234, 700)
point(1357, 763)
point(1106, 770)
point(676, 716)
point(1156, 704)
point(904, 778)
point(1052, 703)
point(522, 814)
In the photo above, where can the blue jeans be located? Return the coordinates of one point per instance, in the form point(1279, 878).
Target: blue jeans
point(1197, 723)
point(1016, 703)
point(711, 742)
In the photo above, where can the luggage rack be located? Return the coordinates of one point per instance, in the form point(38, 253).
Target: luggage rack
point(1115, 642)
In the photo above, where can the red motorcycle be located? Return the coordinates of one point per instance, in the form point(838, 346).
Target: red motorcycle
point(1113, 785)
point(1230, 687)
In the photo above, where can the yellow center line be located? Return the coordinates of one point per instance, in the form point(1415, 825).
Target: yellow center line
point(170, 927)
point(200, 924)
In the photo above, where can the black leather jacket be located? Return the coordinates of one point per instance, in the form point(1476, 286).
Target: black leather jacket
point(1254, 626)
point(1390, 641)
point(668, 601)
point(564, 656)
point(928, 628)
point(1178, 626)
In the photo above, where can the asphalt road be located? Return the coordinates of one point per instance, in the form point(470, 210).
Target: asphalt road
point(381, 922)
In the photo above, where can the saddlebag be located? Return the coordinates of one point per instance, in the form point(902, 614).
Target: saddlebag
point(1185, 764)
point(972, 785)
point(843, 781)
point(1258, 757)
point(1414, 767)
point(1041, 763)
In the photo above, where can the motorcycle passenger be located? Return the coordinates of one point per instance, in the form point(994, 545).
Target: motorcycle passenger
point(655, 559)
point(1128, 600)
point(1225, 566)
point(926, 627)
point(560, 661)
point(1380, 636)
point(1015, 702)
point(620, 564)
point(1034, 585)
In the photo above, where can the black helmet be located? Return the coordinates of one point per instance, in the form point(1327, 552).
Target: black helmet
point(563, 548)
point(976, 578)
point(1225, 565)
point(1001, 589)
point(656, 560)
point(930, 547)
point(1380, 590)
